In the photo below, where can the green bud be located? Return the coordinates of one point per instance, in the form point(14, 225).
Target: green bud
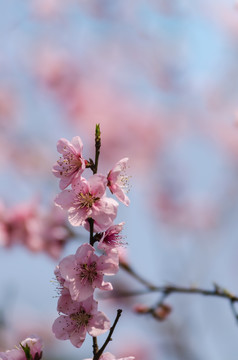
point(97, 132)
point(27, 351)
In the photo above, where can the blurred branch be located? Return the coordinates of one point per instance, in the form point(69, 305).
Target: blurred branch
point(167, 290)
point(128, 268)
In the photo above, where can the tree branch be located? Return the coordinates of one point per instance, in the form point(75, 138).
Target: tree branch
point(109, 337)
point(167, 290)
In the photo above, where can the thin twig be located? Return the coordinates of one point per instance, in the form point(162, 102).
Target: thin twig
point(169, 289)
point(109, 337)
point(95, 345)
point(172, 289)
point(232, 302)
point(91, 222)
point(132, 272)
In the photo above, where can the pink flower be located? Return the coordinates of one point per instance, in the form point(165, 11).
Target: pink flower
point(83, 272)
point(71, 164)
point(35, 345)
point(25, 224)
point(109, 356)
point(47, 8)
point(54, 232)
point(79, 318)
point(87, 200)
point(117, 181)
point(19, 223)
point(111, 239)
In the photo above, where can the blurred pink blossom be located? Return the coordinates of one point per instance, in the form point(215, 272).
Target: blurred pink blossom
point(56, 70)
point(39, 231)
point(7, 108)
point(47, 8)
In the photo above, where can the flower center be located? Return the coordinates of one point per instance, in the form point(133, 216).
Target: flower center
point(114, 239)
point(81, 318)
point(123, 182)
point(86, 200)
point(69, 164)
point(88, 273)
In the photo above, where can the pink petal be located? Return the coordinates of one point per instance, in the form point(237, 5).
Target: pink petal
point(107, 286)
point(90, 306)
point(104, 212)
point(84, 252)
point(65, 181)
point(56, 170)
point(98, 185)
point(110, 263)
point(77, 337)
point(80, 185)
point(63, 145)
point(107, 356)
point(118, 168)
point(80, 292)
point(66, 267)
point(77, 217)
point(65, 199)
point(62, 327)
point(64, 303)
point(77, 144)
point(99, 324)
point(119, 193)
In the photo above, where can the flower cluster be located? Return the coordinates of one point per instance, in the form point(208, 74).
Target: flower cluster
point(87, 198)
point(27, 225)
point(80, 274)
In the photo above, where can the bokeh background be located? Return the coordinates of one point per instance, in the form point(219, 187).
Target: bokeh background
point(160, 76)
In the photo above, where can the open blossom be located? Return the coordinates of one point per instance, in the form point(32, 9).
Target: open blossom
point(35, 345)
point(87, 200)
point(109, 356)
point(111, 239)
point(71, 164)
point(118, 181)
point(79, 318)
point(84, 271)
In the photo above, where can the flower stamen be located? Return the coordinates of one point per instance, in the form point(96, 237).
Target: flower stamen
point(86, 200)
point(88, 273)
point(81, 318)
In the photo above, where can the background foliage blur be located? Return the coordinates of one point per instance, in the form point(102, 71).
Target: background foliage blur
point(160, 76)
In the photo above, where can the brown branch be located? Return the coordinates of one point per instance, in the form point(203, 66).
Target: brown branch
point(91, 223)
point(95, 345)
point(136, 276)
point(167, 290)
point(109, 337)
